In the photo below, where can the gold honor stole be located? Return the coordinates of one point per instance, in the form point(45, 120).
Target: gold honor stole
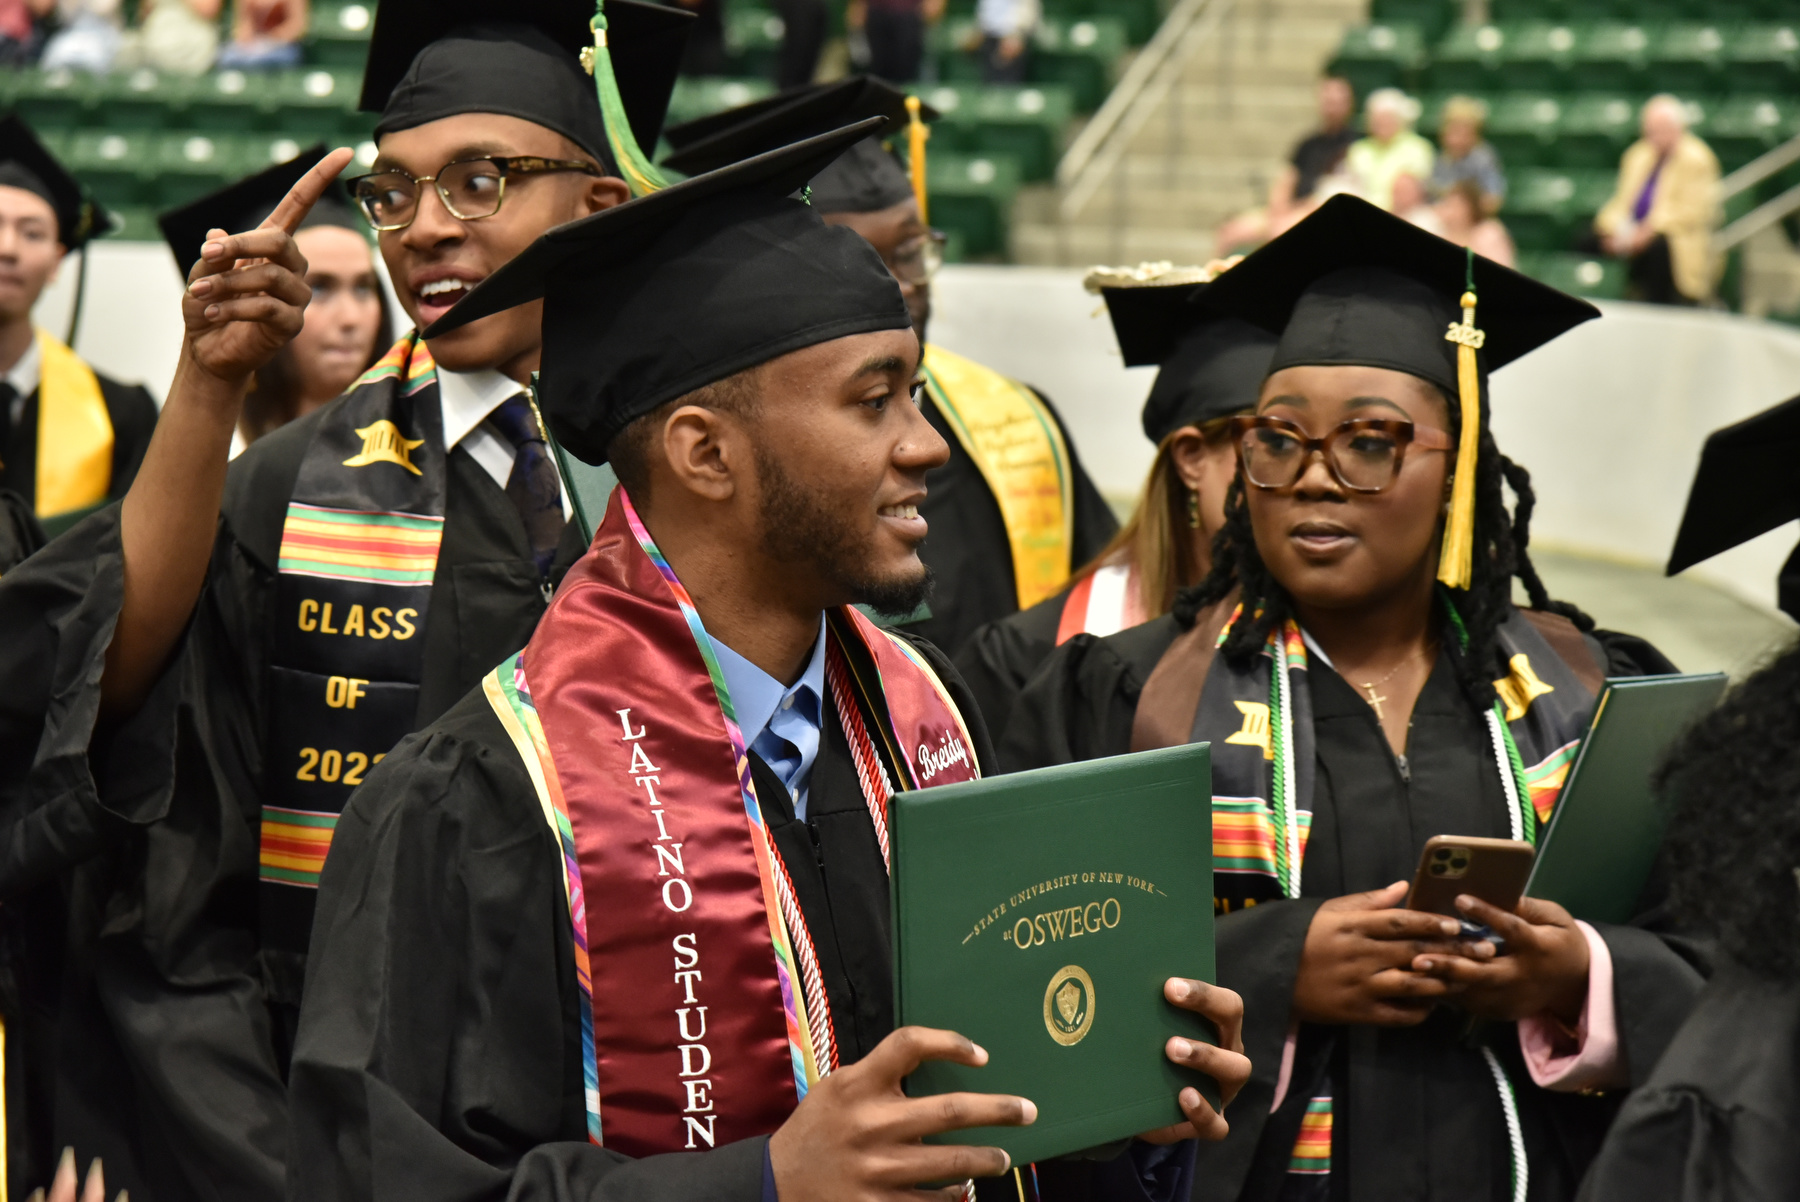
point(1020, 452)
point(704, 1018)
point(353, 587)
point(75, 433)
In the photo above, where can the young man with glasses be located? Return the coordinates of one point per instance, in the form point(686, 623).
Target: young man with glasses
point(1012, 512)
point(372, 560)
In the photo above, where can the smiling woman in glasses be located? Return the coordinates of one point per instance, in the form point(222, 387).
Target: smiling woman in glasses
point(1358, 665)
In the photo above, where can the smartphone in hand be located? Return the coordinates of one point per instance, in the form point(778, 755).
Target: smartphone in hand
point(1495, 870)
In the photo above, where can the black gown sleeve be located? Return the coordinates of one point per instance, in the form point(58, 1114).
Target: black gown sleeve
point(1628, 655)
point(1081, 702)
point(20, 534)
point(439, 1050)
point(133, 414)
point(1001, 656)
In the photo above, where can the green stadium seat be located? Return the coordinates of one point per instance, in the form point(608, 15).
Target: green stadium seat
point(1763, 59)
point(752, 39)
point(1686, 59)
point(1468, 60)
point(317, 103)
point(117, 165)
point(1523, 127)
point(971, 198)
point(1611, 57)
point(232, 101)
point(1740, 128)
point(338, 35)
point(701, 96)
point(1026, 123)
point(1539, 209)
point(55, 99)
point(137, 223)
point(1081, 55)
point(1596, 129)
point(1380, 56)
point(187, 164)
point(1584, 275)
point(1140, 17)
point(1431, 17)
point(1535, 56)
point(1592, 190)
point(144, 99)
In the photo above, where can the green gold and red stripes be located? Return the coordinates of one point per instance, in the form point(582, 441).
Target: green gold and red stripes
point(1312, 1148)
point(372, 548)
point(408, 359)
point(1244, 835)
point(1545, 779)
point(294, 843)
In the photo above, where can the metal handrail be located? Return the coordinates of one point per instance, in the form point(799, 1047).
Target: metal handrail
point(1760, 168)
point(1757, 220)
point(1096, 151)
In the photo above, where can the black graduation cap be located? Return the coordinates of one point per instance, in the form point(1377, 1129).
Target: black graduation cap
point(1211, 366)
point(683, 287)
point(866, 178)
point(430, 59)
point(1746, 486)
point(24, 163)
point(247, 203)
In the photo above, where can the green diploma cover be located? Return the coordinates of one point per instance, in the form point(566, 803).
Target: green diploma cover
point(1039, 914)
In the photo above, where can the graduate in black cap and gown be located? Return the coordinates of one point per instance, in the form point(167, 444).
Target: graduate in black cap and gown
point(677, 988)
point(1012, 513)
point(1716, 1119)
point(1366, 682)
point(372, 559)
point(70, 438)
point(1209, 369)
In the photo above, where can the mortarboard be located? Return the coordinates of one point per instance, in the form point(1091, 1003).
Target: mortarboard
point(652, 299)
point(24, 163)
point(430, 59)
point(865, 179)
point(1745, 487)
point(247, 203)
point(1210, 366)
point(1352, 284)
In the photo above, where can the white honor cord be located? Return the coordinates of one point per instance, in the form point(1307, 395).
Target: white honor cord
point(1521, 1171)
point(1507, 782)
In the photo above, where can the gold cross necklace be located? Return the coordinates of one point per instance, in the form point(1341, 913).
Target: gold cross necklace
point(1369, 687)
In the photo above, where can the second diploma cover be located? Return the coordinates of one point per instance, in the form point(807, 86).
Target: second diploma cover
point(1039, 914)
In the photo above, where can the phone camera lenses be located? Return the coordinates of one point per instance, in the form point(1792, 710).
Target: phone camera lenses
point(1442, 853)
point(1437, 870)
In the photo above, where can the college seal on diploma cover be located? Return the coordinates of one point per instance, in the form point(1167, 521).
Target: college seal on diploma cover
point(1069, 1005)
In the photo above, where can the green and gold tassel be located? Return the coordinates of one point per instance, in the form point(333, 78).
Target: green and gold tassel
point(1456, 563)
point(916, 133)
point(641, 175)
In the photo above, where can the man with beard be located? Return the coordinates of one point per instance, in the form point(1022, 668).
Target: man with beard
point(1012, 512)
point(371, 561)
point(654, 916)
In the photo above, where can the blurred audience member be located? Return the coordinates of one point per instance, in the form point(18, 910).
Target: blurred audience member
point(1464, 155)
point(347, 328)
point(1291, 195)
point(803, 25)
point(1660, 218)
point(1463, 217)
point(1390, 148)
point(1006, 29)
point(894, 33)
point(21, 30)
point(178, 36)
point(1411, 202)
point(89, 36)
point(265, 35)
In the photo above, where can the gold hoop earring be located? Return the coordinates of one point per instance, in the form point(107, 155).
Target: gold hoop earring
point(1193, 506)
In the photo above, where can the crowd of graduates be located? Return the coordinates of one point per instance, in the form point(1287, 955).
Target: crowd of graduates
point(392, 807)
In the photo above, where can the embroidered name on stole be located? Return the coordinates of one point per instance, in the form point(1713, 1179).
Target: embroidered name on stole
point(353, 589)
point(1019, 450)
point(703, 1017)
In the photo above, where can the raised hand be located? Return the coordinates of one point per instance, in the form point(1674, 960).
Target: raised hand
point(1358, 962)
point(1225, 1063)
point(857, 1136)
point(1545, 969)
point(246, 297)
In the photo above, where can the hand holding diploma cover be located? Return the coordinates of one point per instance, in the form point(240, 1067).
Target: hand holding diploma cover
point(1043, 915)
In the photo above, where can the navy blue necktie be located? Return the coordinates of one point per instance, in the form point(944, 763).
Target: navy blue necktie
point(533, 484)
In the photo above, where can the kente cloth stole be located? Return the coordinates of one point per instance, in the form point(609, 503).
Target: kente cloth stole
point(75, 433)
point(353, 589)
point(1103, 602)
point(1260, 725)
point(1019, 450)
point(704, 1020)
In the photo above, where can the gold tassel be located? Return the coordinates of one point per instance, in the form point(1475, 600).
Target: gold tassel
point(1456, 563)
point(916, 133)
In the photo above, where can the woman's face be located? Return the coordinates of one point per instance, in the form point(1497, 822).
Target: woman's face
point(1332, 548)
point(344, 317)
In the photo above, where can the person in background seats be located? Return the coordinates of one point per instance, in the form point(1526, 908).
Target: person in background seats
point(1294, 192)
point(1661, 217)
point(1013, 512)
point(1209, 369)
point(70, 438)
point(1389, 149)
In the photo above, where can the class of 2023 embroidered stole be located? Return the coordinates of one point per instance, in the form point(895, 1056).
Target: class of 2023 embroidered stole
point(703, 1018)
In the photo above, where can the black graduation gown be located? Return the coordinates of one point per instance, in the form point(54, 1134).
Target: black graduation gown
point(173, 1025)
point(439, 1053)
point(133, 414)
point(20, 533)
point(1716, 1122)
point(967, 549)
point(1002, 655)
point(1416, 1113)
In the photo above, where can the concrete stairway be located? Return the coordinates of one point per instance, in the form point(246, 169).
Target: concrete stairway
point(1240, 99)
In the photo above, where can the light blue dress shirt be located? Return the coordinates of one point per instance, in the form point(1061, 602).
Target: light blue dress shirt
point(780, 722)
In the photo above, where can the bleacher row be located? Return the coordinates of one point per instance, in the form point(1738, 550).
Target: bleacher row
point(1563, 81)
point(145, 141)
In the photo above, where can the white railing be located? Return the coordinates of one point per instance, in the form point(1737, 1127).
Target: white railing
point(1770, 211)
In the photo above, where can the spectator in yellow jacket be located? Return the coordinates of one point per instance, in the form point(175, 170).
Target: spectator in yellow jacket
point(1661, 216)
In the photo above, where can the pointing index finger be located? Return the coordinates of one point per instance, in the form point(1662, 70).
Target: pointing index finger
point(306, 191)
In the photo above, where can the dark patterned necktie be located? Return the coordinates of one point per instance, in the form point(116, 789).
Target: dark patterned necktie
point(8, 394)
point(533, 485)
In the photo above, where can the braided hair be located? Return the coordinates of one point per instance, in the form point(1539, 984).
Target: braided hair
point(1501, 538)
